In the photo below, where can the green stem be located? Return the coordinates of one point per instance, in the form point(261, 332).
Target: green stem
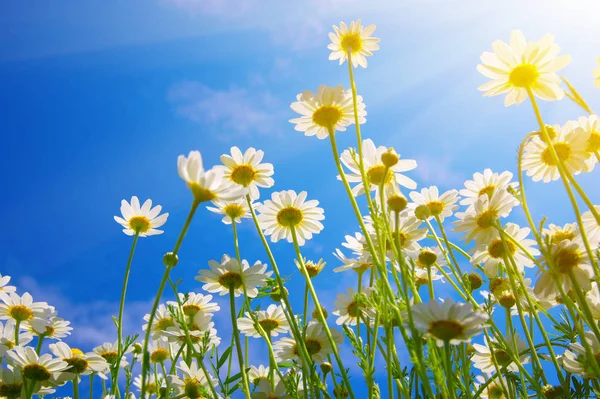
point(75, 388)
point(92, 386)
point(38, 347)
point(238, 346)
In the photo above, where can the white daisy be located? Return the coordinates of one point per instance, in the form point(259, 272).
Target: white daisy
point(23, 309)
point(359, 265)
point(56, 328)
point(206, 185)
point(4, 287)
point(428, 257)
point(485, 183)
point(593, 300)
point(231, 210)
point(272, 321)
point(523, 65)
point(441, 206)
point(142, 220)
point(7, 337)
point(163, 319)
point(566, 256)
point(110, 352)
point(375, 169)
point(264, 390)
point(11, 383)
point(449, 322)
point(153, 383)
point(422, 276)
point(591, 125)
point(246, 170)
point(570, 145)
point(348, 307)
point(200, 327)
point(316, 341)
point(193, 382)
point(329, 109)
point(494, 389)
point(407, 232)
point(36, 368)
point(491, 255)
point(556, 233)
point(193, 303)
point(312, 268)
point(357, 243)
point(576, 359)
point(354, 41)
point(483, 360)
point(591, 226)
point(286, 210)
point(479, 220)
point(221, 277)
point(79, 363)
point(256, 374)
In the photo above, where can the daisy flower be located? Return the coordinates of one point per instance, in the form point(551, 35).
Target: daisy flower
point(110, 352)
point(37, 368)
point(537, 302)
point(449, 322)
point(206, 185)
point(312, 268)
point(359, 265)
point(227, 275)
point(479, 220)
point(142, 220)
point(193, 382)
point(591, 125)
point(79, 363)
point(316, 341)
point(11, 383)
point(556, 233)
point(199, 327)
point(56, 328)
point(264, 390)
point(441, 206)
point(193, 303)
point(492, 254)
point(153, 383)
point(287, 210)
point(162, 321)
point(23, 309)
point(329, 109)
point(375, 170)
point(357, 243)
point(591, 226)
point(408, 232)
point(427, 257)
point(7, 337)
point(348, 307)
point(485, 183)
point(483, 360)
point(4, 287)
point(246, 170)
point(566, 257)
point(494, 389)
point(159, 350)
point(522, 65)
point(272, 321)
point(596, 74)
point(231, 210)
point(422, 276)
point(570, 145)
point(592, 298)
point(354, 42)
point(256, 374)
point(576, 360)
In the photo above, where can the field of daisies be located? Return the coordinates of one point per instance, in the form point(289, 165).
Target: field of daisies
point(523, 319)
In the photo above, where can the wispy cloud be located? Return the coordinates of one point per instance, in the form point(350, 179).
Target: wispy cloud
point(226, 9)
point(439, 171)
point(231, 112)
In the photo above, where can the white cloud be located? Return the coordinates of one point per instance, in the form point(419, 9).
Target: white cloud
point(232, 112)
point(438, 171)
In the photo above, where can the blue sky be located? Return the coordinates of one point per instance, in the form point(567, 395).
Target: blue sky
point(97, 100)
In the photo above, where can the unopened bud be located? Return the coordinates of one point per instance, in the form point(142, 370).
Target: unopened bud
point(475, 280)
point(276, 294)
point(422, 212)
point(326, 367)
point(170, 259)
point(315, 313)
point(553, 392)
point(389, 158)
point(397, 203)
point(507, 299)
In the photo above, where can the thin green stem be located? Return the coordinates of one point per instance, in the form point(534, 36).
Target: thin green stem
point(238, 346)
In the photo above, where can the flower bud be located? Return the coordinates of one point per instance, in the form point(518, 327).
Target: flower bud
point(553, 392)
point(340, 392)
point(315, 313)
point(170, 259)
point(389, 158)
point(422, 212)
point(475, 280)
point(507, 299)
point(397, 202)
point(326, 367)
point(276, 294)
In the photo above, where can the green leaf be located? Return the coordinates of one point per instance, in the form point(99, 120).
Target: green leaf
point(224, 357)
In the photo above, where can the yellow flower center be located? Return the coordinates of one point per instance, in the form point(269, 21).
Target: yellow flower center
point(269, 324)
point(566, 259)
point(78, 365)
point(313, 269)
point(487, 219)
point(402, 238)
point(353, 309)
point(495, 392)
point(327, 116)
point(593, 143)
point(243, 175)
point(76, 352)
point(49, 331)
point(230, 280)
point(234, 211)
point(426, 258)
point(313, 346)
point(361, 268)
point(36, 372)
point(164, 323)
point(489, 190)
point(351, 42)
point(289, 217)
point(139, 224)
point(435, 207)
point(160, 355)
point(20, 312)
point(11, 390)
point(201, 194)
point(524, 75)
point(151, 388)
point(194, 390)
point(563, 151)
point(191, 309)
point(110, 357)
point(561, 236)
point(502, 357)
point(9, 345)
point(496, 249)
point(377, 174)
point(445, 330)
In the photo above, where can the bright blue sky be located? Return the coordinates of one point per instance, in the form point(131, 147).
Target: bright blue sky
point(97, 100)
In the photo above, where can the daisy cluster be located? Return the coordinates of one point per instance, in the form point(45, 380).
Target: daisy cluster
point(520, 312)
